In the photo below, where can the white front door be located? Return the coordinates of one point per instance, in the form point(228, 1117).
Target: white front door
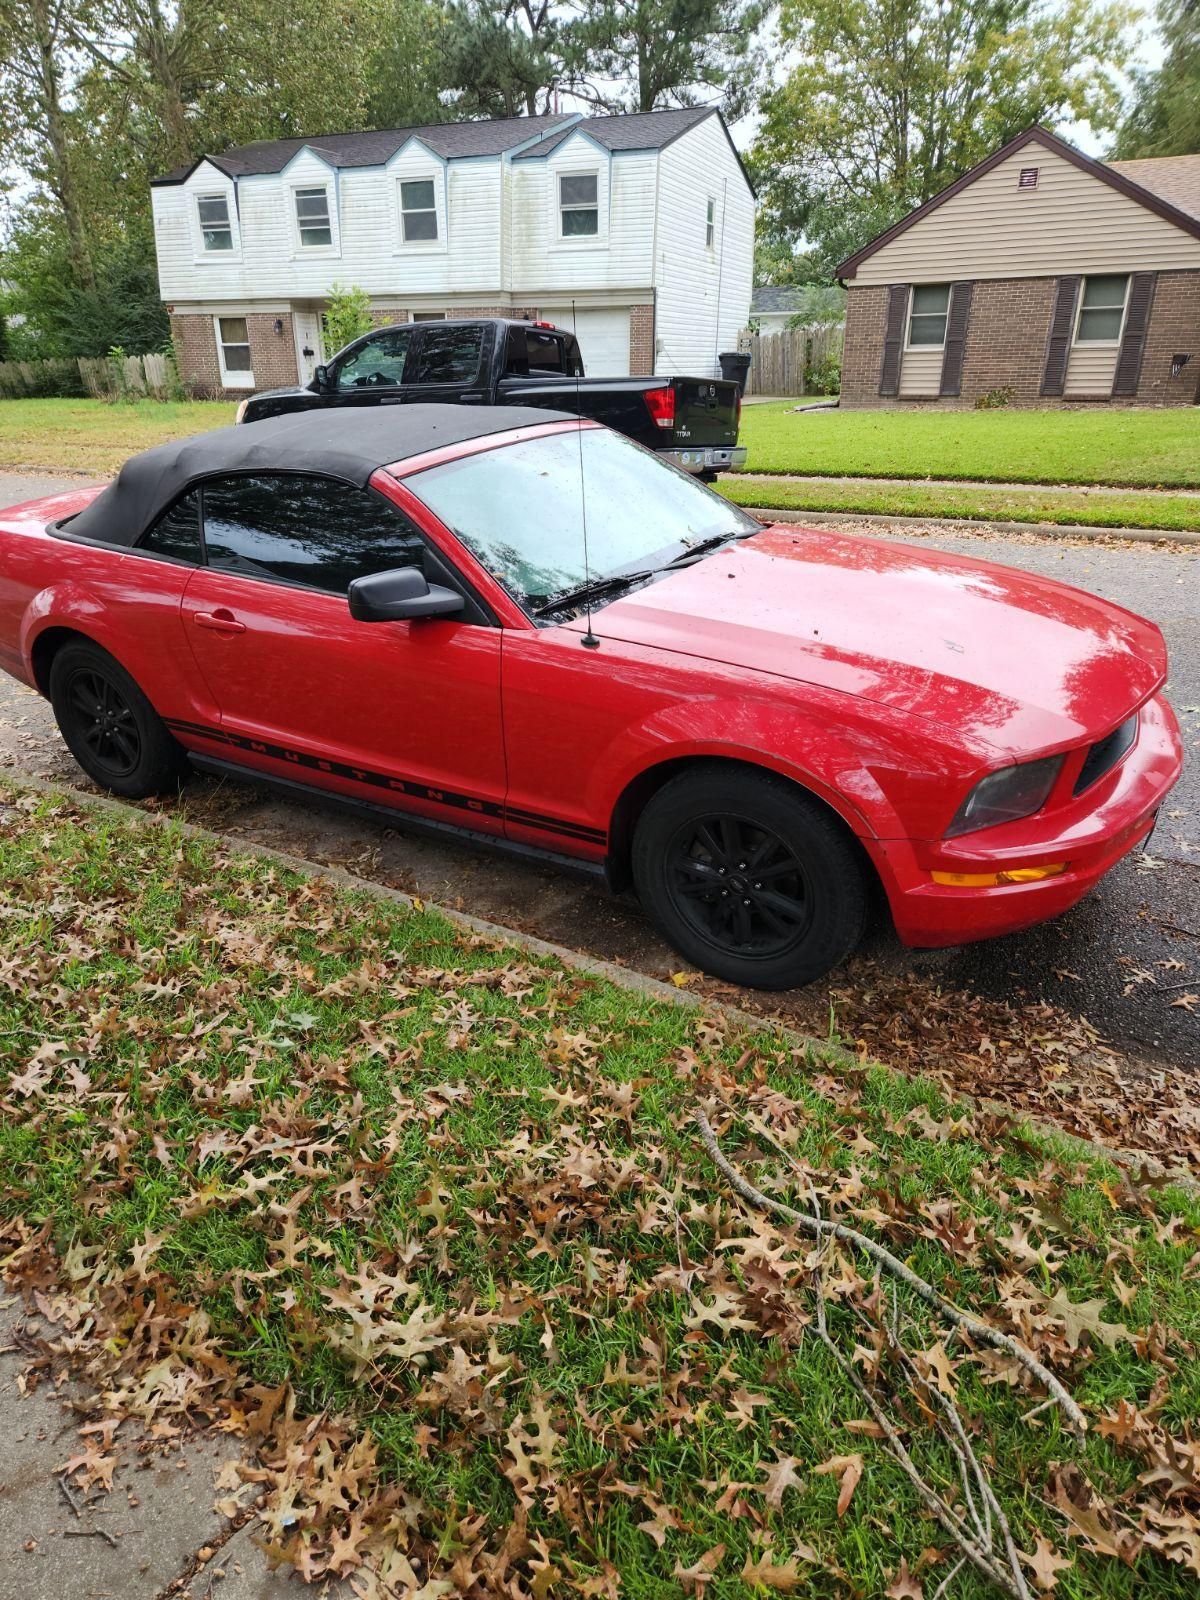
point(309, 349)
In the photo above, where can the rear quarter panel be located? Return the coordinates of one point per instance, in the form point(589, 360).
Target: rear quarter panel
point(127, 604)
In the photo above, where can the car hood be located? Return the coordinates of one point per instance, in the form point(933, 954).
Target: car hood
point(1011, 663)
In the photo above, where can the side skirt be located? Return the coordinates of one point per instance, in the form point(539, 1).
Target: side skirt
point(404, 821)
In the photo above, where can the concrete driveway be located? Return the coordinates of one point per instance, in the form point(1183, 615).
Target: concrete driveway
point(1115, 966)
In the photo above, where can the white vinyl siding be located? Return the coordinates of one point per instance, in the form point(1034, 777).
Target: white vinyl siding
point(1071, 222)
point(233, 352)
point(921, 373)
point(702, 296)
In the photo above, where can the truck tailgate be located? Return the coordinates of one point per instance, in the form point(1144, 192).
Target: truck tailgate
point(706, 411)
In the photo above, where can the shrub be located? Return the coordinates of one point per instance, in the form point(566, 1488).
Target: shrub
point(823, 377)
point(996, 399)
point(346, 317)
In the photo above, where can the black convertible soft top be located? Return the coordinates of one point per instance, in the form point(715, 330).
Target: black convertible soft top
point(348, 443)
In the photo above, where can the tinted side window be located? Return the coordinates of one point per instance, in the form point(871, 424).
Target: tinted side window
point(311, 531)
point(449, 354)
point(379, 363)
point(177, 531)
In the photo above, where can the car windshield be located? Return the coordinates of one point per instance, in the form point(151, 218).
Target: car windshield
point(519, 509)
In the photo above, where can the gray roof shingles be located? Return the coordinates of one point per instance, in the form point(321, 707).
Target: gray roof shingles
point(646, 130)
point(775, 297)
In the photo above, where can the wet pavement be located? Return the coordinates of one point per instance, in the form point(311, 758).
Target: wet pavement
point(1120, 962)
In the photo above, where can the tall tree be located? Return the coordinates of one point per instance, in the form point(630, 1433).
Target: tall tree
point(1165, 117)
point(40, 134)
point(641, 55)
point(407, 75)
point(500, 57)
point(890, 100)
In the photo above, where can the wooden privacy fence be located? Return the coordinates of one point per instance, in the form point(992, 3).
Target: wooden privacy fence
point(103, 377)
point(794, 361)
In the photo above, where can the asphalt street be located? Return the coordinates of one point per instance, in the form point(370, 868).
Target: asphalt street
point(1126, 959)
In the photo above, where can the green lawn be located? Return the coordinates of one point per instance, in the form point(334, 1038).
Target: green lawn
point(1148, 448)
point(1104, 508)
point(90, 436)
point(427, 1221)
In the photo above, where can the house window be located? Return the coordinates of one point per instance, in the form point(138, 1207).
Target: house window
point(578, 205)
point(710, 225)
point(418, 210)
point(233, 352)
point(1101, 310)
point(312, 217)
point(927, 318)
point(216, 230)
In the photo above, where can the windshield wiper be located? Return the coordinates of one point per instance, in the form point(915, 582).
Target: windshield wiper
point(696, 552)
point(597, 589)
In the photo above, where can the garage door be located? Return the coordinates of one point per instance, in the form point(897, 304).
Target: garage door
point(603, 337)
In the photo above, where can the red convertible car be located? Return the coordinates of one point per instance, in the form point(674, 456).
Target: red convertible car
point(523, 625)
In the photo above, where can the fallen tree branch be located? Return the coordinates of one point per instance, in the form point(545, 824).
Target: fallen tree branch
point(820, 1229)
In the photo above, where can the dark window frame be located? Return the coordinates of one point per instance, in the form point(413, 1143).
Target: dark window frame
point(479, 611)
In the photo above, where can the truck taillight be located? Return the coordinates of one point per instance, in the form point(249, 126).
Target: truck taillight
point(660, 403)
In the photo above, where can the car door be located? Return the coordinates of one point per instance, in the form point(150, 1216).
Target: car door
point(403, 713)
point(375, 372)
point(449, 363)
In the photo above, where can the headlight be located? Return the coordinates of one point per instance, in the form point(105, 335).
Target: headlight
point(240, 412)
point(1006, 795)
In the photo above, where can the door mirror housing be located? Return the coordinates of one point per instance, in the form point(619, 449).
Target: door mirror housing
point(321, 381)
point(401, 595)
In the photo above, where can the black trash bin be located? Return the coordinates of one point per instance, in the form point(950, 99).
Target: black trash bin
point(735, 365)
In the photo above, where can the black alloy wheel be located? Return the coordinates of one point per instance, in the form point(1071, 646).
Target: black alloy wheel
point(739, 885)
point(749, 877)
point(105, 722)
point(109, 726)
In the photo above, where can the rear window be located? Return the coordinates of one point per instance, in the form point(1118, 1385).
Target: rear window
point(449, 354)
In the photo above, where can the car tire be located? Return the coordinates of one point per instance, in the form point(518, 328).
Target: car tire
point(109, 726)
point(749, 878)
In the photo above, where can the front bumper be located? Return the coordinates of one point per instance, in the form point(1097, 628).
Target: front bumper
point(1091, 835)
point(706, 457)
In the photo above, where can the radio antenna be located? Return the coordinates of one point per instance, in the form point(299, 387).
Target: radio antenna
point(590, 641)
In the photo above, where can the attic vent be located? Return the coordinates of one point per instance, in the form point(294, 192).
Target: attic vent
point(1028, 178)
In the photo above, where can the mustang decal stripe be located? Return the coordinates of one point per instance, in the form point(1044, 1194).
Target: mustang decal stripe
point(394, 785)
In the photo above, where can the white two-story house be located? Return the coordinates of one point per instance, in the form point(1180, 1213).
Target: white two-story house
point(637, 231)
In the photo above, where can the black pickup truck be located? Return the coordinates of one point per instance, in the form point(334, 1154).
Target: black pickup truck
point(490, 361)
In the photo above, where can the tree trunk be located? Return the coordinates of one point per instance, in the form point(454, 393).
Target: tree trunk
point(61, 177)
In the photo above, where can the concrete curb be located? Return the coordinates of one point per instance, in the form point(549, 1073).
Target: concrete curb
point(743, 1022)
point(1043, 530)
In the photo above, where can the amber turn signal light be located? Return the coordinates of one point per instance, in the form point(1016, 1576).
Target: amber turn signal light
point(990, 880)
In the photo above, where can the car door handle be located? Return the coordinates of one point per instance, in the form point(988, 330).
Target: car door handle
point(218, 621)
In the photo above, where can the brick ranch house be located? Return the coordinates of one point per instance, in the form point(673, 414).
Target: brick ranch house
point(637, 230)
point(1041, 272)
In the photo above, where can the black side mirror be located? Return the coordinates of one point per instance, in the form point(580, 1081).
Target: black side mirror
point(321, 380)
point(400, 596)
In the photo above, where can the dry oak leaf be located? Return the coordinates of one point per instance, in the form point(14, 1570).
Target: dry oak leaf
point(1045, 1563)
point(849, 1470)
point(784, 1577)
point(904, 1586)
point(1083, 1316)
point(696, 1577)
point(781, 1475)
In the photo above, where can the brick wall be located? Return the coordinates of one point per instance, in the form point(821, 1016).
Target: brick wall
point(641, 341)
point(1006, 339)
point(272, 355)
point(1006, 343)
point(1174, 330)
point(862, 354)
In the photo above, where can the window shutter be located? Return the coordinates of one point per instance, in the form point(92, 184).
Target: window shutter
point(1058, 345)
point(1133, 339)
point(893, 338)
point(957, 319)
